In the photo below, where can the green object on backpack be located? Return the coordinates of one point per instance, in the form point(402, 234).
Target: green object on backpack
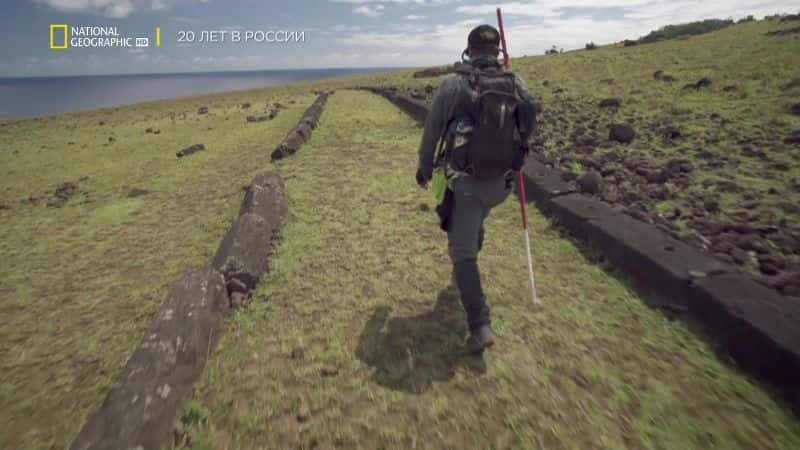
point(439, 184)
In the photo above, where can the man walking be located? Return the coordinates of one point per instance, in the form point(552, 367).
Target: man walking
point(481, 119)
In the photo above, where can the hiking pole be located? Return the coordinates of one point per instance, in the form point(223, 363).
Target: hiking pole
point(520, 178)
point(502, 38)
point(521, 192)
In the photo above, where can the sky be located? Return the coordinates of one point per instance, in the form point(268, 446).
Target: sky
point(338, 33)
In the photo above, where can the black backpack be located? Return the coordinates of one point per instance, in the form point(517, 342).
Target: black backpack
point(491, 123)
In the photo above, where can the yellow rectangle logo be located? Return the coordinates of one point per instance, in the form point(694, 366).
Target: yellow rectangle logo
point(53, 28)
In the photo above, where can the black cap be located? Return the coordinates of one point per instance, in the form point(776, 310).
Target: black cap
point(484, 37)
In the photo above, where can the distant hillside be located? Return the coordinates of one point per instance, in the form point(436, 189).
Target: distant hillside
point(685, 29)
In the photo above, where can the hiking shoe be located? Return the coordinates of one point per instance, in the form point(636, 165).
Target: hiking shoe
point(480, 339)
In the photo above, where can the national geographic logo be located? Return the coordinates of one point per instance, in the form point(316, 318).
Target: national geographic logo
point(58, 33)
point(63, 36)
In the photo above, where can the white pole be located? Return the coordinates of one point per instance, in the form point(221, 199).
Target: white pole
point(530, 268)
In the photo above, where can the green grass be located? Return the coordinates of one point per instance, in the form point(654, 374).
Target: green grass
point(360, 282)
point(79, 283)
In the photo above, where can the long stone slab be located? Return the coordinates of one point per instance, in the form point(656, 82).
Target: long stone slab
point(266, 198)
point(755, 324)
point(541, 183)
point(301, 132)
point(139, 410)
point(242, 254)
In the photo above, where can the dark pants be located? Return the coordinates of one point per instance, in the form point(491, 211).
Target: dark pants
point(473, 199)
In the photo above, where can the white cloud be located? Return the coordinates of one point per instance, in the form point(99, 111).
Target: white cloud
point(369, 11)
point(115, 9)
point(188, 20)
point(680, 10)
point(413, 2)
point(444, 42)
point(415, 17)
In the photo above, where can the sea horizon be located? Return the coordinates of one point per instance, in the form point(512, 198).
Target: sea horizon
point(203, 72)
point(32, 96)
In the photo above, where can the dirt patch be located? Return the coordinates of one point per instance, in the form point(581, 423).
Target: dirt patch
point(137, 192)
point(62, 194)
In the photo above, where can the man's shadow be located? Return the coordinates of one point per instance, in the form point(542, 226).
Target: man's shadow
point(410, 353)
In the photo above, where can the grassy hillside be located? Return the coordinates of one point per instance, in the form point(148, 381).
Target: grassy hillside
point(356, 342)
point(358, 293)
point(79, 282)
point(738, 135)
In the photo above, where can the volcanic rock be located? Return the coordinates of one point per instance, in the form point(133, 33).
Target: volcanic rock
point(621, 133)
point(728, 186)
point(611, 103)
point(753, 243)
point(672, 133)
point(136, 192)
point(190, 149)
point(590, 182)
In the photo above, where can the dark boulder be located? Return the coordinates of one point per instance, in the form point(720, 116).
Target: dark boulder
point(190, 149)
point(675, 168)
point(590, 182)
point(795, 109)
point(753, 243)
point(795, 82)
point(750, 152)
point(740, 256)
point(137, 192)
point(711, 205)
point(780, 166)
point(659, 192)
point(611, 103)
point(703, 83)
point(789, 207)
point(202, 110)
point(672, 133)
point(621, 133)
point(258, 118)
point(793, 138)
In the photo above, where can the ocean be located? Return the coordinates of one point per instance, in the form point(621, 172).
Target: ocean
point(24, 97)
